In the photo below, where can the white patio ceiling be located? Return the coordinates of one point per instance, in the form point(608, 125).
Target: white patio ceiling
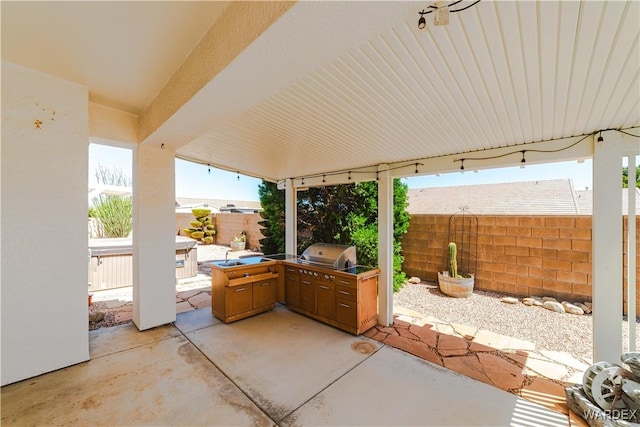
point(340, 85)
point(368, 88)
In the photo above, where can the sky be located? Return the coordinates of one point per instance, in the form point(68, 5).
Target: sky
point(194, 180)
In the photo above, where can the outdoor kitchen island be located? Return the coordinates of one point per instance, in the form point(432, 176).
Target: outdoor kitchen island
point(345, 298)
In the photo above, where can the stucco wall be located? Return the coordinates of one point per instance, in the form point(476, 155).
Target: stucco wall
point(44, 261)
point(518, 255)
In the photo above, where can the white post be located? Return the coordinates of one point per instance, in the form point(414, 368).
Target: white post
point(385, 246)
point(607, 248)
point(631, 254)
point(291, 218)
point(154, 230)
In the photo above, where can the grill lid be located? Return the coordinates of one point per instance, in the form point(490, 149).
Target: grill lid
point(330, 255)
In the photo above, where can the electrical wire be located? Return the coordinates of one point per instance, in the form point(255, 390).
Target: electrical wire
point(464, 8)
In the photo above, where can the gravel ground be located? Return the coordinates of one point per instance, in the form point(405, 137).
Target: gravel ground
point(547, 329)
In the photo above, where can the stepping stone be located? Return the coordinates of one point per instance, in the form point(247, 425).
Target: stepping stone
point(449, 345)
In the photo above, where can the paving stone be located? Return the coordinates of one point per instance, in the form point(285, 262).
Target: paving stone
point(389, 330)
point(509, 300)
point(566, 359)
point(375, 334)
point(465, 331)
point(504, 375)
point(407, 334)
point(518, 356)
point(449, 345)
point(546, 393)
point(467, 365)
point(425, 334)
point(547, 369)
point(414, 347)
point(202, 299)
point(402, 311)
point(116, 303)
point(188, 294)
point(576, 378)
point(181, 307)
point(423, 322)
point(124, 315)
point(399, 322)
point(501, 342)
point(475, 347)
point(444, 328)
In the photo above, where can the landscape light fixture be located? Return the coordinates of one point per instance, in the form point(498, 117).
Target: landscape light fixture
point(440, 10)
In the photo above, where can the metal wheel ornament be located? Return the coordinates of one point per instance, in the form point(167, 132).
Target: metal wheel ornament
point(607, 388)
point(590, 374)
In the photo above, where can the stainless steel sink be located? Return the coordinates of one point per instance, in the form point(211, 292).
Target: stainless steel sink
point(228, 263)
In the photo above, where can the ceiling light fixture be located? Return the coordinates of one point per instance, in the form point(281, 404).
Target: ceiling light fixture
point(440, 10)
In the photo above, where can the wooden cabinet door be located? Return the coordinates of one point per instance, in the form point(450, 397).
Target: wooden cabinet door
point(292, 288)
point(307, 295)
point(264, 293)
point(326, 299)
point(239, 299)
point(347, 312)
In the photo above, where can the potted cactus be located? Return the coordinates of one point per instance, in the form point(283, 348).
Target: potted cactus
point(238, 243)
point(453, 282)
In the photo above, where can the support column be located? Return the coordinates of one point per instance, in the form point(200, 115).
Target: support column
point(607, 248)
point(154, 229)
point(631, 253)
point(385, 246)
point(291, 218)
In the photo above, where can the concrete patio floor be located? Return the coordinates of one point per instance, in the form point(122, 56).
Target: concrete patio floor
point(277, 368)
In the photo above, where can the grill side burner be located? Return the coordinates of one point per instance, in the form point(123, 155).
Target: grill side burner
point(330, 255)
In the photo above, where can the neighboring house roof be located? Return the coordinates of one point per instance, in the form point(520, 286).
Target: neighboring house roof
point(584, 199)
point(185, 204)
point(549, 197)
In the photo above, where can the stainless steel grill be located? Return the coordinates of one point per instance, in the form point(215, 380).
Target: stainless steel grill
point(329, 255)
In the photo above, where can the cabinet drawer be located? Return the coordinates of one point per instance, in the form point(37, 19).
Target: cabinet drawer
point(326, 299)
point(264, 293)
point(347, 312)
point(240, 299)
point(292, 291)
point(346, 292)
point(346, 282)
point(307, 296)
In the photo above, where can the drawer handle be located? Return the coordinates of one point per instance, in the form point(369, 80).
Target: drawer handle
point(344, 305)
point(345, 292)
point(345, 283)
point(240, 290)
point(324, 287)
point(306, 283)
point(265, 284)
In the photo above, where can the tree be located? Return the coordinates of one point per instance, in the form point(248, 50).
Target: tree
point(625, 177)
point(343, 214)
point(273, 218)
point(114, 213)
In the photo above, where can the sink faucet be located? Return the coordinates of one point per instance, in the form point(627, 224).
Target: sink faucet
point(226, 255)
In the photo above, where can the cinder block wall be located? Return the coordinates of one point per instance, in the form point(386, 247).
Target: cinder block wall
point(517, 255)
point(228, 225)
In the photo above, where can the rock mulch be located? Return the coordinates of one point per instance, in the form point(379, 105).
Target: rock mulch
point(548, 329)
